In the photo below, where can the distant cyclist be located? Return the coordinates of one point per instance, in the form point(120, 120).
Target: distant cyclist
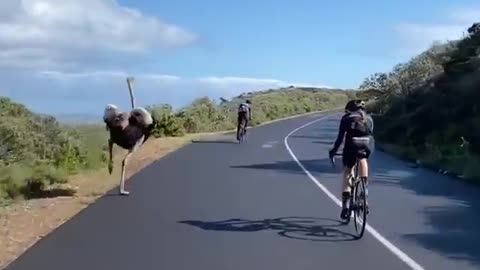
point(357, 127)
point(244, 114)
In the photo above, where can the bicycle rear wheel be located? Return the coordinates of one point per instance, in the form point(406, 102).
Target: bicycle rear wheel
point(242, 132)
point(359, 210)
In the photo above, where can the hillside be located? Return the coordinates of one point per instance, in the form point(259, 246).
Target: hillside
point(37, 151)
point(427, 107)
point(205, 115)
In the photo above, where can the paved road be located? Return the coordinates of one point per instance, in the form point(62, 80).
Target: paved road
point(219, 205)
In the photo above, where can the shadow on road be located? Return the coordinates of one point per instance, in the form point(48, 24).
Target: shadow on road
point(300, 228)
point(313, 165)
point(452, 208)
point(230, 141)
point(325, 142)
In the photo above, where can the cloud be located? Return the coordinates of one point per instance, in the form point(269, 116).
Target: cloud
point(66, 56)
point(417, 37)
point(65, 34)
point(82, 92)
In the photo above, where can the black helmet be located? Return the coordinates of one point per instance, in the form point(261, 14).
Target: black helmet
point(248, 101)
point(354, 105)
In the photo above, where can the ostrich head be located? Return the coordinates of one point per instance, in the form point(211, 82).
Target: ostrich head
point(110, 112)
point(114, 118)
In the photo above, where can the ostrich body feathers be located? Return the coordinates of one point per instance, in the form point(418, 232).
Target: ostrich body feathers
point(127, 128)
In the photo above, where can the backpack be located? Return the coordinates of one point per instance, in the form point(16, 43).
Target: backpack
point(243, 107)
point(358, 124)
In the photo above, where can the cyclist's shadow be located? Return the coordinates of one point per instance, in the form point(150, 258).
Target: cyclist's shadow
point(301, 228)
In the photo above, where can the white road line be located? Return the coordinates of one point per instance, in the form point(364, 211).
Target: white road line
point(396, 251)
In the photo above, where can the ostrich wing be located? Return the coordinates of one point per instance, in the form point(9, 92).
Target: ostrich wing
point(140, 117)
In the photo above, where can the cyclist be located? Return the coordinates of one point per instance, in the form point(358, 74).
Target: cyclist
point(357, 127)
point(244, 114)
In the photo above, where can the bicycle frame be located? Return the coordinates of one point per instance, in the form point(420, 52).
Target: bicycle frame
point(353, 175)
point(354, 180)
point(242, 130)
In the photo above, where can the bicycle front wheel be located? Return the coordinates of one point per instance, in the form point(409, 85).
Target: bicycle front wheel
point(360, 208)
point(242, 132)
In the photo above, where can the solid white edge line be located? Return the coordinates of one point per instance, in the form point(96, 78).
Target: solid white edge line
point(396, 251)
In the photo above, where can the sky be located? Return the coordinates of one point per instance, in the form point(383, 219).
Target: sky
point(73, 56)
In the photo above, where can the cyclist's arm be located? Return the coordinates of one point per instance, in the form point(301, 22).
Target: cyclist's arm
point(250, 112)
point(341, 133)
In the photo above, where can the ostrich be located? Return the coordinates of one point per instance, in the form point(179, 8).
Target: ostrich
point(128, 130)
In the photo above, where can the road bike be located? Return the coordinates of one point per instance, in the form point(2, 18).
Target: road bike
point(358, 202)
point(243, 130)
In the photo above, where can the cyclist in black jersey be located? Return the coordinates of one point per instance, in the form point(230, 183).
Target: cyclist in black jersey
point(244, 114)
point(357, 128)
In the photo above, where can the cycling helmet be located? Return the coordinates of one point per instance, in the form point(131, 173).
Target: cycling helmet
point(354, 105)
point(248, 101)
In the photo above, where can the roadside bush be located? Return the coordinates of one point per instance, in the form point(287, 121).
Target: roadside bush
point(21, 180)
point(429, 105)
point(36, 151)
point(166, 124)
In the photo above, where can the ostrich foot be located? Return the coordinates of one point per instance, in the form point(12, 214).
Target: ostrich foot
point(124, 192)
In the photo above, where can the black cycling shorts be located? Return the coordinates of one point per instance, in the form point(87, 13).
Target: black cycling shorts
point(355, 148)
point(242, 116)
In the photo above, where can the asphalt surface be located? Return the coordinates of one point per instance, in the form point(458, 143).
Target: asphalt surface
point(220, 205)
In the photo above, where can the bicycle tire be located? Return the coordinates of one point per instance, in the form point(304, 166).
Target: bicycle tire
point(241, 135)
point(351, 200)
point(242, 132)
point(359, 212)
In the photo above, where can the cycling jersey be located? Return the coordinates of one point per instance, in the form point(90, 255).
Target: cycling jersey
point(356, 127)
point(244, 107)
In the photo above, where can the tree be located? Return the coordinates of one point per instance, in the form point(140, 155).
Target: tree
point(376, 81)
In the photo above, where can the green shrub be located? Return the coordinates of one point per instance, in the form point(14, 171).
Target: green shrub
point(19, 179)
point(166, 123)
point(12, 180)
point(428, 104)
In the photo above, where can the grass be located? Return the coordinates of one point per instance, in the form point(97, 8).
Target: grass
point(450, 160)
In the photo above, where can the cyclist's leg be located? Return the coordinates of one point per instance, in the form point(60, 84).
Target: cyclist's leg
point(363, 155)
point(363, 167)
point(239, 125)
point(349, 160)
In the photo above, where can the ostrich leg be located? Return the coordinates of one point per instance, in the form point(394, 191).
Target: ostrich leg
point(124, 164)
point(110, 161)
point(122, 179)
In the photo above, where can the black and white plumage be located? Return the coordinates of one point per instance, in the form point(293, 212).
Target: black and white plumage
point(128, 130)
